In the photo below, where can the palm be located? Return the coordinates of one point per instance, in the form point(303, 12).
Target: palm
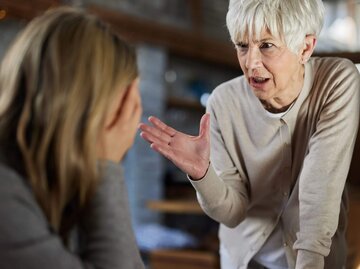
point(189, 153)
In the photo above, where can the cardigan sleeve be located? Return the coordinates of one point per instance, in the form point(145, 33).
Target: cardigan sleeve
point(222, 193)
point(107, 230)
point(27, 241)
point(325, 168)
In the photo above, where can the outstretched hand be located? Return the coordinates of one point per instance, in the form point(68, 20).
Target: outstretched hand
point(191, 154)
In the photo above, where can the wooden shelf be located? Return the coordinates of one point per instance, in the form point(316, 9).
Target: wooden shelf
point(176, 206)
point(180, 259)
point(183, 103)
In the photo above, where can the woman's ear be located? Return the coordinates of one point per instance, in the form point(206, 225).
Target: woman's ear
point(116, 104)
point(308, 48)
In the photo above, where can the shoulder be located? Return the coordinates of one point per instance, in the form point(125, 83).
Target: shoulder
point(11, 183)
point(17, 207)
point(229, 87)
point(14, 190)
point(334, 77)
point(334, 68)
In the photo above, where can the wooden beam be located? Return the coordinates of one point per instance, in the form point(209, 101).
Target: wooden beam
point(353, 56)
point(25, 9)
point(178, 41)
point(188, 43)
point(196, 15)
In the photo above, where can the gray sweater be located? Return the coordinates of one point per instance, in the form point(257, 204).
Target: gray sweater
point(289, 172)
point(26, 241)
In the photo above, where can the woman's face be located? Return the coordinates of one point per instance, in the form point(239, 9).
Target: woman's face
point(273, 72)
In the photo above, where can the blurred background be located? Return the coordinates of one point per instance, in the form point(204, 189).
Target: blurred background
point(184, 52)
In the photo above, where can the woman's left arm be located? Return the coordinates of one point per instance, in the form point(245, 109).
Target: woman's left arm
point(325, 169)
point(106, 226)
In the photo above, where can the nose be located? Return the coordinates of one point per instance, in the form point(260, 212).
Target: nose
point(253, 58)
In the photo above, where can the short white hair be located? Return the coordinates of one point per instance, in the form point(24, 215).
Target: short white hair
point(290, 20)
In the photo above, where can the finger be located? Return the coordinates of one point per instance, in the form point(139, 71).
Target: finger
point(146, 137)
point(154, 131)
point(142, 126)
point(152, 139)
point(205, 126)
point(162, 126)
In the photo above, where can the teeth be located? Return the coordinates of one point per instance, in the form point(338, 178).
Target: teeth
point(259, 79)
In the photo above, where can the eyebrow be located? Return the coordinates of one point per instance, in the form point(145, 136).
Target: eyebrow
point(263, 40)
point(257, 41)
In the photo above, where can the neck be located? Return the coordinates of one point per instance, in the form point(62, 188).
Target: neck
point(275, 109)
point(284, 100)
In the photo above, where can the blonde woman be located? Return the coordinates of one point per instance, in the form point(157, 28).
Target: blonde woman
point(69, 108)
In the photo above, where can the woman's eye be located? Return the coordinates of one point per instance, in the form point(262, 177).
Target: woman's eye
point(266, 45)
point(241, 45)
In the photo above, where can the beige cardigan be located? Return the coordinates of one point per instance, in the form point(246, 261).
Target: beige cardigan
point(290, 171)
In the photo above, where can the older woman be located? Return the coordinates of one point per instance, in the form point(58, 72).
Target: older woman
point(282, 137)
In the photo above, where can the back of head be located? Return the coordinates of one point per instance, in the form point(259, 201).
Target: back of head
point(56, 83)
point(290, 20)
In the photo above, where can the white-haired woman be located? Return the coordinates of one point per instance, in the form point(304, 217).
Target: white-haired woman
point(69, 110)
point(282, 137)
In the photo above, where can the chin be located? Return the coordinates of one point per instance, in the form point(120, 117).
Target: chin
point(262, 94)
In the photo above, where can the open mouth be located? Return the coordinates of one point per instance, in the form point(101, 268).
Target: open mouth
point(259, 79)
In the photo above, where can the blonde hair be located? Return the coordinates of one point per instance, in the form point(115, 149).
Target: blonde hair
point(56, 83)
point(290, 20)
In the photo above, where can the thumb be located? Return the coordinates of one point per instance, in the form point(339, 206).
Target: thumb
point(205, 126)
